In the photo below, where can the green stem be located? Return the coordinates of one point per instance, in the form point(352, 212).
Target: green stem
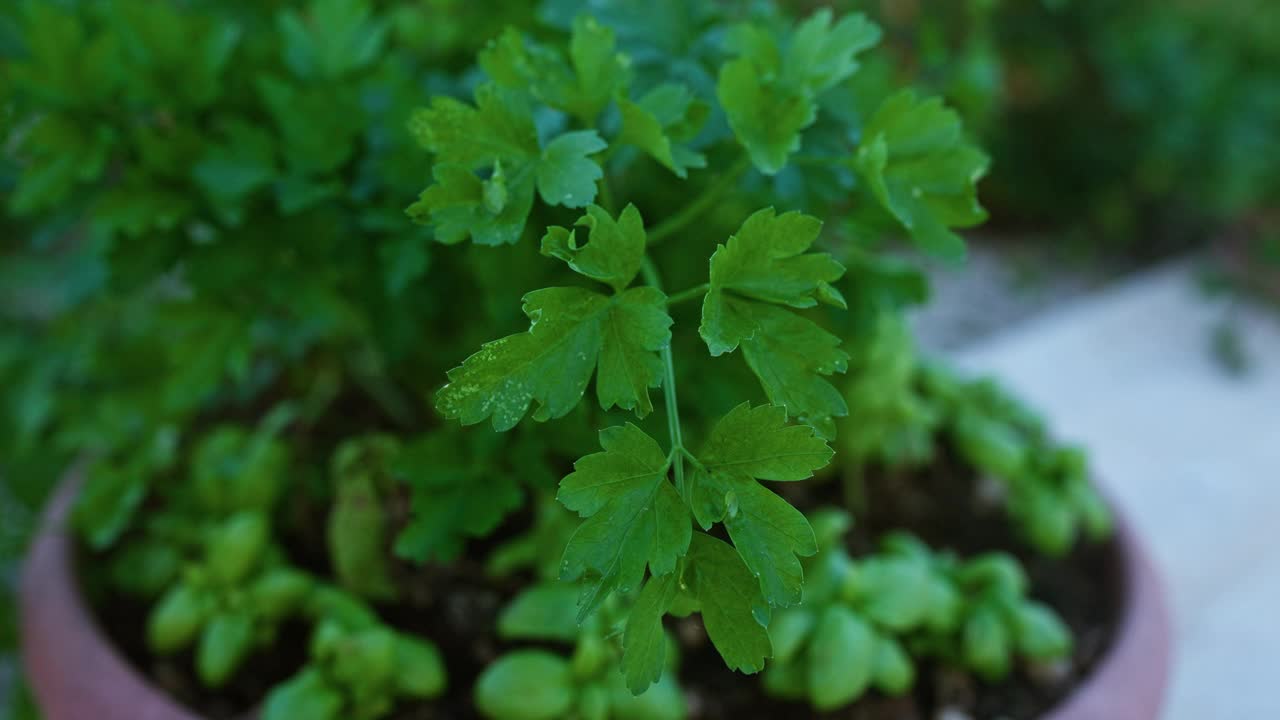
point(701, 204)
point(692, 293)
point(650, 272)
point(606, 195)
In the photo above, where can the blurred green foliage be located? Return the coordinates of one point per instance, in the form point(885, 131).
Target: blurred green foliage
point(1146, 125)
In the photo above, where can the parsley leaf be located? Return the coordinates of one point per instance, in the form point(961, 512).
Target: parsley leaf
point(566, 175)
point(573, 331)
point(614, 250)
point(792, 356)
point(770, 90)
point(582, 85)
point(659, 124)
point(634, 516)
point(757, 444)
point(916, 160)
point(762, 267)
point(335, 38)
point(644, 643)
point(733, 611)
point(498, 136)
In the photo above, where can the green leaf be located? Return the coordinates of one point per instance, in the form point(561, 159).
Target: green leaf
point(792, 357)
point(543, 612)
point(279, 592)
point(224, 645)
point(566, 174)
point(419, 668)
point(526, 685)
point(758, 442)
point(456, 495)
point(335, 38)
point(733, 610)
point(770, 91)
point(614, 250)
point(659, 124)
point(895, 592)
point(820, 56)
point(363, 659)
point(767, 532)
point(893, 672)
point(766, 117)
point(762, 268)
point(917, 162)
point(789, 631)
point(662, 701)
point(644, 642)
point(841, 658)
point(236, 546)
point(357, 536)
point(497, 135)
point(461, 205)
point(582, 84)
point(1038, 631)
point(634, 515)
point(574, 332)
point(178, 617)
point(766, 261)
point(305, 695)
point(499, 127)
point(986, 643)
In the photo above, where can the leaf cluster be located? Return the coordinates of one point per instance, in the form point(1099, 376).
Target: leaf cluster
point(865, 623)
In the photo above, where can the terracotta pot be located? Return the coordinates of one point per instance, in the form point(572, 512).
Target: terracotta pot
point(76, 674)
point(73, 670)
point(1129, 683)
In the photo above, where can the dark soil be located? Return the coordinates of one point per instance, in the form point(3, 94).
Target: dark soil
point(457, 605)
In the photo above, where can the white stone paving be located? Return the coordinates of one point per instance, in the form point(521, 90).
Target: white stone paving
point(1191, 453)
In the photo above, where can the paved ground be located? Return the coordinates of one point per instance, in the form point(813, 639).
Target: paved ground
point(1191, 453)
point(1003, 283)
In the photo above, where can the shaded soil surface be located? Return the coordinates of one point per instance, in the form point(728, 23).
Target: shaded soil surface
point(457, 606)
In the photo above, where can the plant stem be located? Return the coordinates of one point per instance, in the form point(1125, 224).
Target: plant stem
point(606, 195)
point(650, 272)
point(700, 204)
point(692, 293)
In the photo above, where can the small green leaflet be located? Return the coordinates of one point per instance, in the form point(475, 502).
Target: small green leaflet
point(841, 658)
point(336, 37)
point(634, 516)
point(497, 136)
point(659, 124)
point(542, 612)
point(757, 444)
point(582, 85)
point(733, 611)
point(760, 271)
point(644, 643)
point(566, 174)
point(791, 355)
point(574, 333)
point(614, 250)
point(922, 169)
point(769, 92)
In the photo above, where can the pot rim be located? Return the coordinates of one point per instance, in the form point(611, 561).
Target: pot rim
point(1130, 679)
